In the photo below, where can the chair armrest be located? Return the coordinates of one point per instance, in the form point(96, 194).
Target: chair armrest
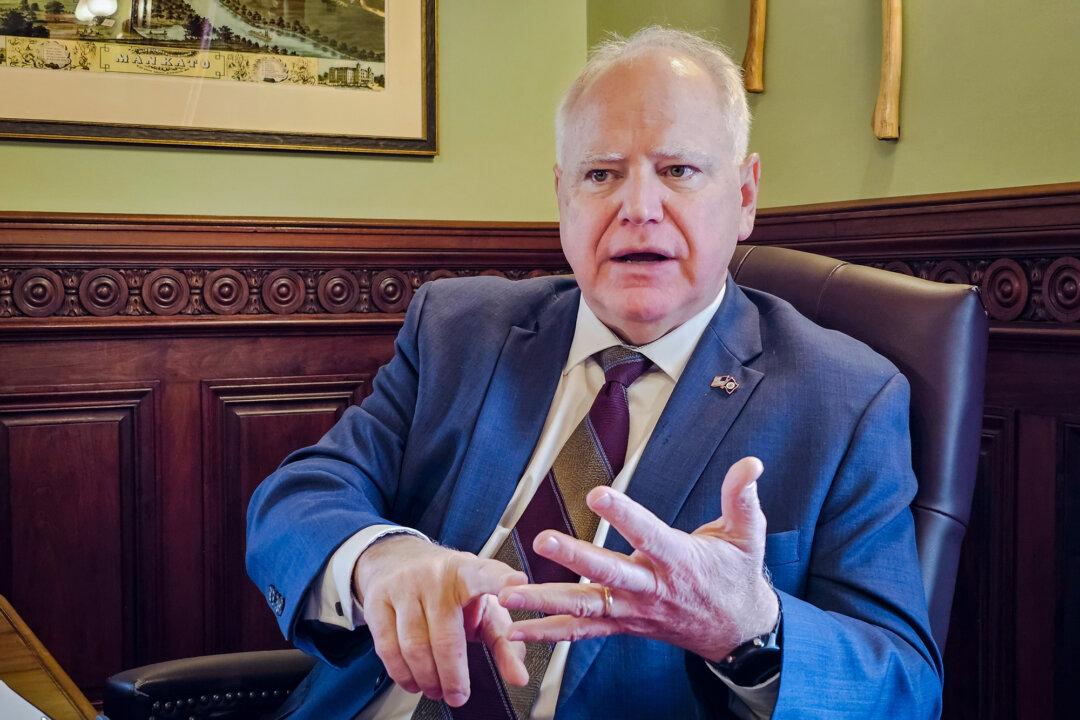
point(237, 686)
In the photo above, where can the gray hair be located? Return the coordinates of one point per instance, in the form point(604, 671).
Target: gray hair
point(616, 50)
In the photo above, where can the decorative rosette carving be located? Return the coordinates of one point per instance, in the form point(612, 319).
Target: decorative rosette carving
point(71, 306)
point(283, 291)
point(7, 280)
point(494, 273)
point(225, 291)
point(166, 292)
point(38, 292)
point(103, 292)
point(254, 281)
point(195, 279)
point(1004, 288)
point(134, 278)
point(1061, 290)
point(391, 291)
point(311, 287)
point(950, 271)
point(339, 291)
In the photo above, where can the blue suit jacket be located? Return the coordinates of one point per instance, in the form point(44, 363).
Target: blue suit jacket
point(453, 419)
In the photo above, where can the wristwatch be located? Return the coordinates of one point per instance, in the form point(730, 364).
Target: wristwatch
point(756, 660)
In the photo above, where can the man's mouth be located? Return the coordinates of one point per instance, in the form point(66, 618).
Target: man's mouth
point(640, 257)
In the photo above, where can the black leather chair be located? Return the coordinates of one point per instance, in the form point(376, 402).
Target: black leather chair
point(935, 333)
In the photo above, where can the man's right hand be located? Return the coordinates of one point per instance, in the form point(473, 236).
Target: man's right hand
point(423, 602)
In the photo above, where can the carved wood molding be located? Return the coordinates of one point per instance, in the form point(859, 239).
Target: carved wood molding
point(1040, 218)
point(1020, 246)
point(71, 291)
point(113, 430)
point(79, 272)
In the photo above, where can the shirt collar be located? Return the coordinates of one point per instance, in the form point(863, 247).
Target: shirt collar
point(670, 353)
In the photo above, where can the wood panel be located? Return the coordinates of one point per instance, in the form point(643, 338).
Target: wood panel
point(1067, 671)
point(1036, 446)
point(251, 424)
point(255, 335)
point(982, 613)
point(80, 482)
point(179, 362)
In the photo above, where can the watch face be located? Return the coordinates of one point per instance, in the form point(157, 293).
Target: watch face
point(756, 660)
point(756, 667)
point(753, 662)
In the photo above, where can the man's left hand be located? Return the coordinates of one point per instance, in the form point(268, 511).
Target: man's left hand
point(704, 591)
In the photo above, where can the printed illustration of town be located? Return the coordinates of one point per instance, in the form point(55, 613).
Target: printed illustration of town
point(326, 42)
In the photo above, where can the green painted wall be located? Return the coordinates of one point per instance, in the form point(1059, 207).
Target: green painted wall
point(991, 92)
point(991, 99)
point(503, 65)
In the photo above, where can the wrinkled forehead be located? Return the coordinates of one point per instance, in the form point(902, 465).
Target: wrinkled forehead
point(655, 102)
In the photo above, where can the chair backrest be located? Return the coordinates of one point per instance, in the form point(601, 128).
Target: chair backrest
point(936, 334)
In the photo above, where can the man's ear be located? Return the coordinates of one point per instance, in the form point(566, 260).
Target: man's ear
point(749, 181)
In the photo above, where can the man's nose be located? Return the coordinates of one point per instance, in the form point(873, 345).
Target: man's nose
point(642, 199)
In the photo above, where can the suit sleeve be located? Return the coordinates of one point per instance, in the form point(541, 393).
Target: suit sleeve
point(858, 643)
point(322, 495)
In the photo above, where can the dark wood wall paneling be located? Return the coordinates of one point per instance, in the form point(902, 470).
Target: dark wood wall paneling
point(152, 372)
point(154, 369)
point(248, 425)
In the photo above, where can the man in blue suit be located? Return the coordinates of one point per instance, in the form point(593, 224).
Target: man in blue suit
point(714, 584)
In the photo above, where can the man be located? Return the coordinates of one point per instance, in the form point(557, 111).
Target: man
point(609, 427)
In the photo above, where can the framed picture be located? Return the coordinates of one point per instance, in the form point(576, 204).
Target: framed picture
point(323, 75)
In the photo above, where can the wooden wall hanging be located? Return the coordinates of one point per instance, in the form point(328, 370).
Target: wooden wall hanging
point(887, 112)
point(754, 60)
point(886, 120)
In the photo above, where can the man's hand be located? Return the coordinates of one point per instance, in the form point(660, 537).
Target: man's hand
point(704, 591)
point(423, 602)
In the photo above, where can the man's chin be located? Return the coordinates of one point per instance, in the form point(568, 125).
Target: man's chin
point(640, 326)
point(646, 305)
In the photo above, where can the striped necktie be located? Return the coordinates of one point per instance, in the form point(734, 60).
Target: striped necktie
point(592, 456)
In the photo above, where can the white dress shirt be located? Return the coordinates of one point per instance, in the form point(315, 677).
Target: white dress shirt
point(331, 599)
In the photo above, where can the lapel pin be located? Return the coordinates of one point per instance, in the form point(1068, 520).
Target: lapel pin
point(726, 383)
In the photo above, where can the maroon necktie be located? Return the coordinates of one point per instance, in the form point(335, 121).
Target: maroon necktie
point(593, 455)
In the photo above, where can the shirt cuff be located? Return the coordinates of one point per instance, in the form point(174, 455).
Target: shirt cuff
point(330, 599)
point(751, 703)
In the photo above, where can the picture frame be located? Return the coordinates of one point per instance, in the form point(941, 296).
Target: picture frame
point(304, 75)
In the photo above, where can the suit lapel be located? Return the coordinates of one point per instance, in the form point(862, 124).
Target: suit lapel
point(693, 423)
point(509, 423)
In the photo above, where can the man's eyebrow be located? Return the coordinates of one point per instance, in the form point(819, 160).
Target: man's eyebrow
point(677, 153)
point(601, 158)
point(684, 154)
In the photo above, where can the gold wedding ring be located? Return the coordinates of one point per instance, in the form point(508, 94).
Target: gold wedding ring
point(609, 603)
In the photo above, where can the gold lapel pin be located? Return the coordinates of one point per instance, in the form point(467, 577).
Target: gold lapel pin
point(726, 383)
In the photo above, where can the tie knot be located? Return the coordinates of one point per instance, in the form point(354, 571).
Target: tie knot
point(623, 365)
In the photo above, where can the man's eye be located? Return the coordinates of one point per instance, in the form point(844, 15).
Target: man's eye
point(680, 171)
point(599, 176)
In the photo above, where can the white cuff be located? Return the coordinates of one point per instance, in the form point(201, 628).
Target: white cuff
point(331, 599)
point(751, 703)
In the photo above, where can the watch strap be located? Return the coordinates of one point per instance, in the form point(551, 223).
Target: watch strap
point(756, 660)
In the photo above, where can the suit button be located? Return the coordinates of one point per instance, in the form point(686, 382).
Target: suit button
point(276, 600)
